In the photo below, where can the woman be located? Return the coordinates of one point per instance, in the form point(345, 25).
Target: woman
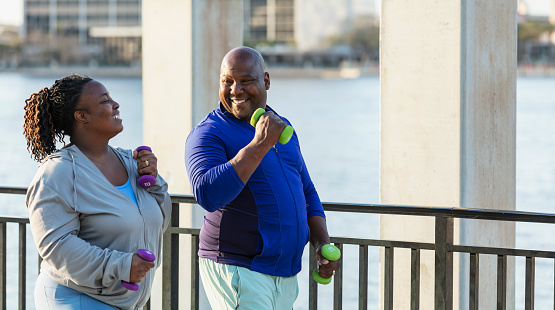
point(88, 215)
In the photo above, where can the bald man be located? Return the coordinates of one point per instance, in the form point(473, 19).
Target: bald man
point(261, 205)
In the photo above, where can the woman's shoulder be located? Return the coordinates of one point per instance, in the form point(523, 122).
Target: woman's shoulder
point(54, 172)
point(57, 164)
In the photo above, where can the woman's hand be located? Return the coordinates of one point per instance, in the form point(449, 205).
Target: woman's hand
point(147, 163)
point(139, 268)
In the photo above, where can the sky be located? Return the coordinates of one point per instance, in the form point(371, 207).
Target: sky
point(11, 11)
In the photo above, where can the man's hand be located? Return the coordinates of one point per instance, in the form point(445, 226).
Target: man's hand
point(268, 130)
point(326, 268)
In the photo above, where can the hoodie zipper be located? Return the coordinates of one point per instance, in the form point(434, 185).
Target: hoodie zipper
point(294, 203)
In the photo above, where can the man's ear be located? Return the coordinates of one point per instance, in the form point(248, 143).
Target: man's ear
point(80, 117)
point(267, 80)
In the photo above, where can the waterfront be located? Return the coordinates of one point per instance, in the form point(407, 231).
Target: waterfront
point(338, 124)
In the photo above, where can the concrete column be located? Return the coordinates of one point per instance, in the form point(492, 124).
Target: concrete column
point(448, 131)
point(184, 42)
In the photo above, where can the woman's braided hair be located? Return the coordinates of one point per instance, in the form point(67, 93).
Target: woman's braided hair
point(49, 115)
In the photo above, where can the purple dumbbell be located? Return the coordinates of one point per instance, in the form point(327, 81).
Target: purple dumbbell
point(146, 180)
point(146, 255)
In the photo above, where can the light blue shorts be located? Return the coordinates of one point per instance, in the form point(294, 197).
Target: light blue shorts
point(230, 287)
point(50, 295)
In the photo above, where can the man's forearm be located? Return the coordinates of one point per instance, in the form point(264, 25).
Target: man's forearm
point(318, 231)
point(247, 160)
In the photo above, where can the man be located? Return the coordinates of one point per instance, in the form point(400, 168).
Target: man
point(261, 205)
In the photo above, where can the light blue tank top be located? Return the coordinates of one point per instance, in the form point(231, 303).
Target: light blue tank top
point(128, 191)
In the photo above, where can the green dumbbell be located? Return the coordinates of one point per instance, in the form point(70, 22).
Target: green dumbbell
point(286, 134)
point(330, 252)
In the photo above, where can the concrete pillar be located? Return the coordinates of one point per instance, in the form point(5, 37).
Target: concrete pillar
point(184, 42)
point(448, 131)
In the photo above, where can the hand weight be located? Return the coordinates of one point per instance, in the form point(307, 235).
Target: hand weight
point(146, 255)
point(332, 253)
point(286, 134)
point(146, 180)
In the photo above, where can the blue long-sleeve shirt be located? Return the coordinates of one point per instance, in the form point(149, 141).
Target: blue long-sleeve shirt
point(261, 225)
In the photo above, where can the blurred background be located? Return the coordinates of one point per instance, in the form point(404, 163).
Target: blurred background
point(289, 33)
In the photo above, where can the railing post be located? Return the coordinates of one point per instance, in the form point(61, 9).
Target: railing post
point(170, 263)
point(530, 283)
point(501, 282)
point(195, 273)
point(338, 283)
point(474, 285)
point(3, 265)
point(22, 264)
point(415, 279)
point(363, 277)
point(388, 277)
point(443, 263)
point(312, 285)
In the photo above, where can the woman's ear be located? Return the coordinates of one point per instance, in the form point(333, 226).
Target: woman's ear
point(80, 117)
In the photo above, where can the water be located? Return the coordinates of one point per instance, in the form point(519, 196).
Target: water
point(338, 125)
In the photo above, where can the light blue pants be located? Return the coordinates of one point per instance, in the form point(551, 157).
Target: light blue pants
point(230, 287)
point(49, 295)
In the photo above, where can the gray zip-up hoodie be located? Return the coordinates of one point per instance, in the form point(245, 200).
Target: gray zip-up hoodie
point(86, 230)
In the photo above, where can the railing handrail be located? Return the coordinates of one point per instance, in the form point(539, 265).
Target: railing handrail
point(454, 212)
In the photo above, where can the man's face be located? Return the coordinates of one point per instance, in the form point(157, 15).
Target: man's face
point(243, 86)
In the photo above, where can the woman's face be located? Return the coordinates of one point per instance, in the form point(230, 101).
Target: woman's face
point(99, 110)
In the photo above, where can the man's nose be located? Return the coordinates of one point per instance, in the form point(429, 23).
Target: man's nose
point(236, 88)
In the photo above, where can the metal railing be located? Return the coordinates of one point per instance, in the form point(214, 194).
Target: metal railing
point(443, 248)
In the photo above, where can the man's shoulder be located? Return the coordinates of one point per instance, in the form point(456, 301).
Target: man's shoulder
point(215, 121)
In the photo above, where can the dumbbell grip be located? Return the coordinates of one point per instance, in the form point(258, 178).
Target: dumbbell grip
point(286, 134)
point(145, 180)
point(331, 253)
point(146, 255)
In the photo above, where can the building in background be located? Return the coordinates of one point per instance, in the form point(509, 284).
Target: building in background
point(287, 32)
point(10, 46)
point(311, 32)
point(536, 38)
point(82, 32)
point(270, 21)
